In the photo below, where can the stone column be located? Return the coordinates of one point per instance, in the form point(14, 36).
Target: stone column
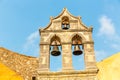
point(44, 60)
point(67, 57)
point(89, 56)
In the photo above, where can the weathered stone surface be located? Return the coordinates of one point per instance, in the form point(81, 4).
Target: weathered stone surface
point(7, 74)
point(68, 75)
point(65, 38)
point(29, 67)
point(25, 66)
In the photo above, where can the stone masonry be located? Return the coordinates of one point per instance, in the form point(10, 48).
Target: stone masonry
point(23, 65)
point(32, 68)
point(56, 31)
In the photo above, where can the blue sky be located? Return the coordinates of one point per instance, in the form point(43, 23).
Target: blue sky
point(21, 19)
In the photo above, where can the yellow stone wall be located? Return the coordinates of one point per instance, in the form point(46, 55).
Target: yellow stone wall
point(8, 74)
point(109, 69)
point(24, 65)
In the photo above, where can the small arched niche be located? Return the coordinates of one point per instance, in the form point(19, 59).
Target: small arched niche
point(33, 78)
point(65, 23)
point(55, 60)
point(78, 54)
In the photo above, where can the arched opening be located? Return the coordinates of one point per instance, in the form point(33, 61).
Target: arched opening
point(55, 54)
point(78, 54)
point(33, 78)
point(65, 23)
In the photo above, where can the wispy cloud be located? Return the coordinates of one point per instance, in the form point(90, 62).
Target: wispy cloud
point(106, 27)
point(31, 46)
point(108, 31)
point(32, 37)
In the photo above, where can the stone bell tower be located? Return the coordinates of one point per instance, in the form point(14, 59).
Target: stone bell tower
point(66, 31)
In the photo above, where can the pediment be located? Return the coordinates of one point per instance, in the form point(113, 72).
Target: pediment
point(75, 22)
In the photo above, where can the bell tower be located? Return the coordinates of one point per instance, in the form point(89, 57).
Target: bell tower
point(63, 32)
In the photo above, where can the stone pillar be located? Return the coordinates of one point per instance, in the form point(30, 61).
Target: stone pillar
point(90, 62)
point(44, 60)
point(67, 57)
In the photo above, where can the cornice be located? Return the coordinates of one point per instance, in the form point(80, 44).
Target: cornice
point(88, 42)
point(64, 43)
point(94, 71)
point(70, 30)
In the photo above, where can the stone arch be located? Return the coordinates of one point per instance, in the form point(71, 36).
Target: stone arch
point(78, 38)
point(80, 35)
point(65, 22)
point(55, 59)
point(55, 37)
point(52, 36)
point(65, 18)
point(77, 58)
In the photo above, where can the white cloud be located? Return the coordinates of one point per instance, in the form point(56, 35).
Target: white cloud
point(107, 27)
point(31, 38)
point(107, 30)
point(31, 46)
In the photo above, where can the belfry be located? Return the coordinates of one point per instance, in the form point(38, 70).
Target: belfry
point(65, 31)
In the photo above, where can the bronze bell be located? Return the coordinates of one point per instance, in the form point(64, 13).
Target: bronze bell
point(55, 51)
point(77, 50)
point(65, 26)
